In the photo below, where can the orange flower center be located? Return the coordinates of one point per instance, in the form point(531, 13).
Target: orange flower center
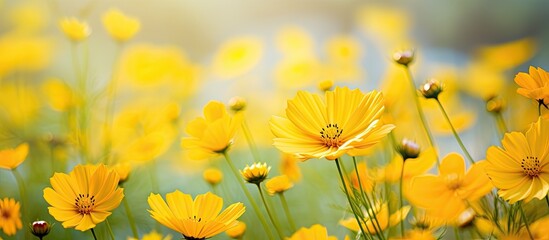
point(85, 203)
point(530, 166)
point(330, 135)
point(5, 214)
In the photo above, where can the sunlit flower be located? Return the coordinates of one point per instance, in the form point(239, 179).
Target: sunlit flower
point(213, 176)
point(256, 173)
point(382, 217)
point(85, 197)
point(289, 167)
point(198, 219)
point(74, 29)
point(237, 56)
point(348, 122)
point(534, 85)
point(237, 231)
point(212, 134)
point(153, 235)
point(59, 95)
point(315, 232)
point(446, 195)
point(11, 158)
point(520, 170)
point(10, 217)
point(120, 26)
point(278, 184)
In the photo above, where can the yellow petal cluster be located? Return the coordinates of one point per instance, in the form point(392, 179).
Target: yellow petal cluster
point(278, 184)
point(255, 173)
point(534, 84)
point(198, 219)
point(10, 216)
point(316, 232)
point(119, 26)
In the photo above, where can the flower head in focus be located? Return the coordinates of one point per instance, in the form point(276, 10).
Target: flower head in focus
point(534, 85)
point(198, 219)
point(256, 173)
point(85, 197)
point(346, 122)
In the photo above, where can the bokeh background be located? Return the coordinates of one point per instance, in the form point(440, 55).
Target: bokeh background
point(190, 52)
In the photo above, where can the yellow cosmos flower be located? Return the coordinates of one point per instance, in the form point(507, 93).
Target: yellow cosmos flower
point(19, 104)
point(11, 158)
point(198, 219)
point(366, 180)
point(237, 56)
point(315, 232)
point(74, 29)
point(123, 170)
point(534, 84)
point(520, 170)
point(85, 197)
point(120, 26)
point(237, 231)
point(412, 167)
point(278, 184)
point(348, 122)
point(24, 52)
point(508, 55)
point(153, 235)
point(298, 72)
point(381, 211)
point(10, 217)
point(59, 95)
point(446, 195)
point(213, 176)
point(256, 173)
point(289, 167)
point(212, 134)
point(343, 49)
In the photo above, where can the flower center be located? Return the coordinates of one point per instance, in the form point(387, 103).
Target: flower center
point(452, 181)
point(530, 166)
point(5, 214)
point(330, 135)
point(84, 203)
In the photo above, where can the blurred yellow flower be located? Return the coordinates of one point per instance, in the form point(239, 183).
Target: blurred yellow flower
point(12, 158)
point(295, 42)
point(24, 52)
point(10, 217)
point(298, 72)
point(198, 219)
point(237, 56)
point(59, 95)
point(412, 167)
point(237, 231)
point(381, 211)
point(29, 16)
point(538, 229)
point(520, 170)
point(74, 29)
point(153, 235)
point(119, 26)
point(256, 173)
point(19, 104)
point(366, 180)
point(212, 175)
point(85, 197)
point(212, 134)
point(508, 55)
point(343, 49)
point(348, 122)
point(483, 81)
point(446, 195)
point(278, 184)
point(390, 24)
point(534, 85)
point(289, 167)
point(315, 232)
point(123, 170)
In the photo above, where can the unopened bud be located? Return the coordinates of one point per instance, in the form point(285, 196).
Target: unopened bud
point(40, 228)
point(326, 85)
point(408, 149)
point(495, 104)
point(237, 104)
point(431, 89)
point(404, 57)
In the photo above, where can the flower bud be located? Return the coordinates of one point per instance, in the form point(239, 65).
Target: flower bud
point(256, 173)
point(40, 228)
point(404, 57)
point(495, 104)
point(326, 85)
point(431, 89)
point(408, 149)
point(237, 231)
point(237, 104)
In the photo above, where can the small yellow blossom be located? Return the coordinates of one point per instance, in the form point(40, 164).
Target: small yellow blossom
point(120, 27)
point(256, 173)
point(213, 176)
point(316, 232)
point(12, 158)
point(237, 231)
point(278, 184)
point(74, 29)
point(237, 56)
point(10, 216)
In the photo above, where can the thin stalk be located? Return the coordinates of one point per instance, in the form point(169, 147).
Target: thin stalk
point(275, 223)
point(547, 200)
point(130, 218)
point(248, 195)
point(287, 211)
point(358, 220)
point(377, 226)
point(455, 133)
point(501, 123)
point(420, 111)
point(250, 140)
point(93, 233)
point(456, 234)
point(109, 229)
point(23, 195)
point(523, 216)
point(400, 196)
point(153, 171)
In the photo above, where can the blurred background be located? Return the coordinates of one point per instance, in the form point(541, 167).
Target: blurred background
point(187, 53)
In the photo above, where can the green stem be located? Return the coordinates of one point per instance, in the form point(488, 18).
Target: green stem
point(275, 223)
point(23, 194)
point(456, 234)
point(501, 123)
point(93, 233)
point(547, 200)
point(109, 229)
point(368, 203)
point(358, 220)
point(250, 139)
point(400, 196)
point(154, 176)
point(455, 133)
point(130, 218)
point(287, 211)
point(420, 111)
point(248, 195)
point(523, 216)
